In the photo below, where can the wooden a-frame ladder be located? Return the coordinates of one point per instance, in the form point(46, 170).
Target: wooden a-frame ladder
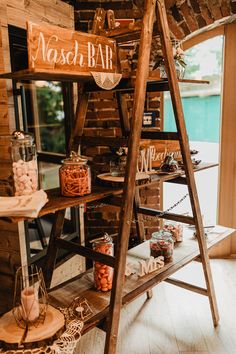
point(153, 7)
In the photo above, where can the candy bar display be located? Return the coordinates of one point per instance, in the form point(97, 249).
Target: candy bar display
point(103, 274)
point(24, 163)
point(176, 231)
point(161, 244)
point(75, 177)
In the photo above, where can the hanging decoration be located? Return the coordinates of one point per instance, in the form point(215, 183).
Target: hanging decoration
point(106, 81)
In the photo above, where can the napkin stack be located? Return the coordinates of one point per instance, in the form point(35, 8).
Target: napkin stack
point(23, 206)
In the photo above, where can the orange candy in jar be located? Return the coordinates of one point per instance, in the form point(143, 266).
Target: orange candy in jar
point(103, 274)
point(75, 177)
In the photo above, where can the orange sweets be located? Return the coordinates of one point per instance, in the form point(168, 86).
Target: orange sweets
point(103, 274)
point(75, 178)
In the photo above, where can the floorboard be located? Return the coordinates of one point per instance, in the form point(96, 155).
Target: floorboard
point(176, 321)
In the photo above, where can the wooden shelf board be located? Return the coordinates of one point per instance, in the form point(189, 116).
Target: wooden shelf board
point(58, 202)
point(47, 75)
point(126, 85)
point(82, 285)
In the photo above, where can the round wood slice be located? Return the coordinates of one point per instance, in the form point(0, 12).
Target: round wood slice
point(108, 177)
point(11, 333)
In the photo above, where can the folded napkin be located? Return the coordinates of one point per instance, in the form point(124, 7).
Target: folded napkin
point(23, 206)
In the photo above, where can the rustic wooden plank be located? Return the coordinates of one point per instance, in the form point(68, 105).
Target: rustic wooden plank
point(69, 50)
point(58, 202)
point(187, 286)
point(184, 144)
point(129, 184)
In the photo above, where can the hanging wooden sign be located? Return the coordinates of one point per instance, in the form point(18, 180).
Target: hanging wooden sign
point(55, 48)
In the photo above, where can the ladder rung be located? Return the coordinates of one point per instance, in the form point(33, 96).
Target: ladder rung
point(187, 286)
point(85, 252)
point(169, 216)
point(159, 135)
point(102, 141)
point(178, 180)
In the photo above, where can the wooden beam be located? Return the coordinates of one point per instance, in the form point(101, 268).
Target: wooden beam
point(185, 151)
point(168, 216)
point(187, 286)
point(129, 184)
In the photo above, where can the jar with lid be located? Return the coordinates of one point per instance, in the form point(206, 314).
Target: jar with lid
point(176, 229)
point(162, 244)
point(24, 163)
point(75, 176)
point(103, 274)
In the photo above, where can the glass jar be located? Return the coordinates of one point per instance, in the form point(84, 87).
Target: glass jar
point(117, 166)
point(180, 70)
point(24, 163)
point(75, 176)
point(103, 274)
point(161, 244)
point(176, 230)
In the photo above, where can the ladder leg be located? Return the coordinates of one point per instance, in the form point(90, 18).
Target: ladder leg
point(80, 115)
point(52, 248)
point(129, 184)
point(138, 217)
point(184, 145)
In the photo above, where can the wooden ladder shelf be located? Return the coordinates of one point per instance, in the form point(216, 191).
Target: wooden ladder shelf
point(111, 312)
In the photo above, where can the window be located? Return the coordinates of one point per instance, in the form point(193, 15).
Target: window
point(202, 110)
point(43, 108)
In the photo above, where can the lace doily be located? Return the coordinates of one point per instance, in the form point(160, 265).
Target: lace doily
point(67, 342)
point(107, 81)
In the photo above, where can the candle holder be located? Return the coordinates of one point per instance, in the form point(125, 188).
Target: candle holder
point(30, 297)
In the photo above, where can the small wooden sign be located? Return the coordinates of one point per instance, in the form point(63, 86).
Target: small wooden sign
point(55, 48)
point(155, 151)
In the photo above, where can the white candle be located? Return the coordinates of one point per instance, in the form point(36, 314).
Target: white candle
point(30, 304)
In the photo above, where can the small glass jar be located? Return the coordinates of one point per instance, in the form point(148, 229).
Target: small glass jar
point(161, 244)
point(176, 230)
point(117, 167)
point(24, 163)
point(75, 176)
point(103, 274)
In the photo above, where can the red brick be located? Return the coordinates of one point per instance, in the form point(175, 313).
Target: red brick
point(189, 17)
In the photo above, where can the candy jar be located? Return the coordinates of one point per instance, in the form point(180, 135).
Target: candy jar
point(75, 176)
point(24, 163)
point(103, 274)
point(161, 244)
point(176, 229)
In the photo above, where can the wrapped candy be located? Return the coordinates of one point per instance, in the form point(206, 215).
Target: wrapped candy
point(24, 165)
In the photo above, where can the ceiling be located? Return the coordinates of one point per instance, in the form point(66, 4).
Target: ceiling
point(184, 16)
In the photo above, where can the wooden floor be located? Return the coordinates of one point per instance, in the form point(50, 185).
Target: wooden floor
point(176, 320)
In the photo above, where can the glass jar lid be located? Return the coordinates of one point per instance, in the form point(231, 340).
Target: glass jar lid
point(104, 239)
point(74, 159)
point(162, 234)
point(21, 137)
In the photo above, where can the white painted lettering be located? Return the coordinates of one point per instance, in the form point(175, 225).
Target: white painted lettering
point(91, 53)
